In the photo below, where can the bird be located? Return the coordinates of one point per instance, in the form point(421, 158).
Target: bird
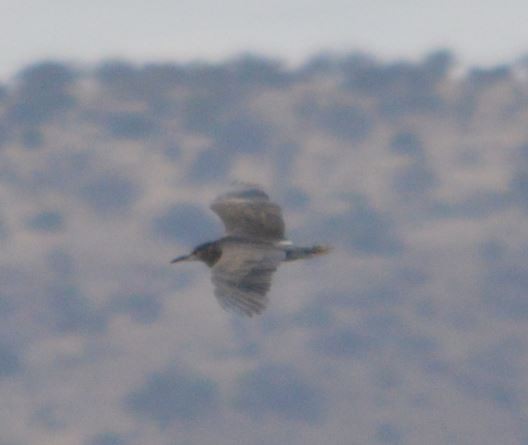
point(243, 261)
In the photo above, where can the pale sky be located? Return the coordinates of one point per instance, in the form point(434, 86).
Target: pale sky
point(481, 32)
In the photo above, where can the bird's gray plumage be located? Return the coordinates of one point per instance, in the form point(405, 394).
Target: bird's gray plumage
point(243, 262)
point(242, 275)
point(248, 212)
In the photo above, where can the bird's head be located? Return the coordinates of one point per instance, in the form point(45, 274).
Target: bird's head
point(209, 253)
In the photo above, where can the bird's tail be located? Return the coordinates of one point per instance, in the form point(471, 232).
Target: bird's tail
point(299, 253)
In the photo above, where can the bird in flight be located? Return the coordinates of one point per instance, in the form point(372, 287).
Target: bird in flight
point(243, 261)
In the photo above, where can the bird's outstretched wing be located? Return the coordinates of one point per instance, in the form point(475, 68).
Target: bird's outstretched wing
point(242, 276)
point(248, 212)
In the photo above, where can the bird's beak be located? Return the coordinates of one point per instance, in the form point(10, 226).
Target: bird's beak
point(182, 258)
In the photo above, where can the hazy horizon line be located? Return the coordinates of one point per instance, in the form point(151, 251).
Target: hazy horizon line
point(462, 64)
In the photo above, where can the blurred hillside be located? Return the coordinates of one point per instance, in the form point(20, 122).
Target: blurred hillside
point(413, 330)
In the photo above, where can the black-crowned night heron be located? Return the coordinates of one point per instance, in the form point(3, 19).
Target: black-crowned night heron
point(243, 261)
